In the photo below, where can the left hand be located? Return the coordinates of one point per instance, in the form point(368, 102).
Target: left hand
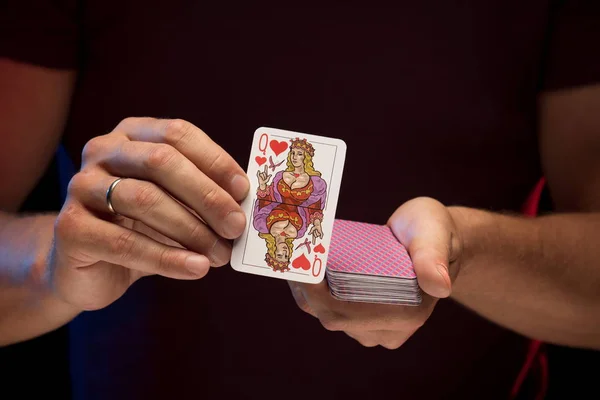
point(428, 230)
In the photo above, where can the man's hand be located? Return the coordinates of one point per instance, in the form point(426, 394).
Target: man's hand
point(177, 209)
point(427, 229)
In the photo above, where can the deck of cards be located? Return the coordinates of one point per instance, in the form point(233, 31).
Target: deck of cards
point(368, 264)
point(295, 181)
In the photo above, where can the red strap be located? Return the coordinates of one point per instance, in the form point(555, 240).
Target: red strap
point(531, 206)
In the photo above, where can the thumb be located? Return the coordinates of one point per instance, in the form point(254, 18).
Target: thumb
point(428, 232)
point(430, 257)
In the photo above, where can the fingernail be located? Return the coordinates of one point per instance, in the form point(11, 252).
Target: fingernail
point(444, 291)
point(235, 222)
point(220, 253)
point(197, 265)
point(239, 187)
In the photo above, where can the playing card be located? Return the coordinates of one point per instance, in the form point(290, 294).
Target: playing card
point(295, 181)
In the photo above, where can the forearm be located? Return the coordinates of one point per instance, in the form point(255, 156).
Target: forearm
point(537, 276)
point(28, 307)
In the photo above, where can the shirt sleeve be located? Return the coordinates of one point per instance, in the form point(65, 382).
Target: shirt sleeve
point(573, 48)
point(40, 32)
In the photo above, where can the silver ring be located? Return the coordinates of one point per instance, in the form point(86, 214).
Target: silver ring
point(109, 193)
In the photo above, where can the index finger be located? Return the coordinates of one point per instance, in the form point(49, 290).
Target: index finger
point(195, 145)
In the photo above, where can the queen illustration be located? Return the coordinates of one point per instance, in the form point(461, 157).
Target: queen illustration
point(292, 204)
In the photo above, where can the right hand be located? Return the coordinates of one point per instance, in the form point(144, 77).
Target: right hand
point(178, 206)
point(263, 178)
point(316, 231)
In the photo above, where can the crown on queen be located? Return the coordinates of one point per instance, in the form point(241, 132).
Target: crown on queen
point(302, 144)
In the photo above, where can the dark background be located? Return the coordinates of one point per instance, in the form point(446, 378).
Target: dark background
point(40, 367)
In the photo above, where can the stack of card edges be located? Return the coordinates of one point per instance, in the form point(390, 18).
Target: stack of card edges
point(368, 264)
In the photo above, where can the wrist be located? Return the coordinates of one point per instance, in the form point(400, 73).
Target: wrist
point(315, 218)
point(472, 229)
point(31, 306)
point(51, 300)
point(262, 191)
point(41, 278)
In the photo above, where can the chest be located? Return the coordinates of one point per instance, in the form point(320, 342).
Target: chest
point(375, 73)
point(439, 103)
point(296, 181)
point(283, 229)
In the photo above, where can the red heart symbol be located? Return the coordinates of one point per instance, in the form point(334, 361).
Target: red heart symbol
point(260, 160)
point(278, 147)
point(301, 263)
point(320, 249)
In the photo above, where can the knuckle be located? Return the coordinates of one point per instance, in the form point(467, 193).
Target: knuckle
point(367, 342)
point(127, 122)
point(177, 131)
point(298, 297)
point(333, 323)
point(303, 305)
point(212, 198)
point(218, 164)
point(391, 344)
point(161, 156)
point(147, 197)
point(124, 244)
point(93, 148)
point(197, 233)
point(366, 339)
point(168, 260)
point(67, 222)
point(79, 183)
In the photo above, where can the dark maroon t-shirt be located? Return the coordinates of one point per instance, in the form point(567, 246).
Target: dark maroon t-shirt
point(433, 98)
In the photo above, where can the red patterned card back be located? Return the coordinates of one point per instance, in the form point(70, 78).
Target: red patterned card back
point(368, 249)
